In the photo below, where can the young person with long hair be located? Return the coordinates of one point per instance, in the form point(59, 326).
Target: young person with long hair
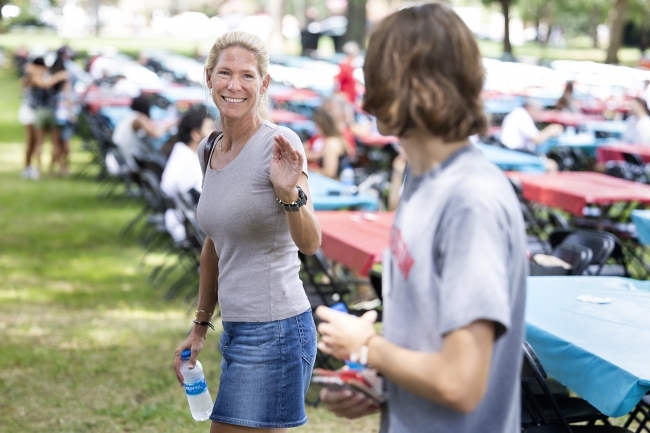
point(455, 277)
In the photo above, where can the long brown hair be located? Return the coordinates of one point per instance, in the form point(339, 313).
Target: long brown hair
point(325, 121)
point(423, 69)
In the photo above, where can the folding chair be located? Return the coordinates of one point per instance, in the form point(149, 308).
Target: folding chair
point(578, 256)
point(548, 415)
point(641, 415)
point(615, 265)
point(601, 244)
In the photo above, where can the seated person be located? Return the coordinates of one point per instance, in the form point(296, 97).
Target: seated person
point(134, 128)
point(567, 102)
point(183, 171)
point(343, 113)
point(519, 131)
point(638, 124)
point(336, 150)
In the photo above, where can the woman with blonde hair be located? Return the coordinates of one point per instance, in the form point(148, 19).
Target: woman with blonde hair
point(256, 211)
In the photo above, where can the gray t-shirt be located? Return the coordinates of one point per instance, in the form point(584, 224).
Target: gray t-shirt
point(258, 259)
point(458, 255)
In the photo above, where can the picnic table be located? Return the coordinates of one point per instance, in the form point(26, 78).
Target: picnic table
point(574, 191)
point(115, 114)
point(599, 351)
point(613, 128)
point(374, 139)
point(586, 142)
point(507, 159)
point(615, 151)
point(641, 219)
point(330, 194)
point(355, 239)
point(566, 118)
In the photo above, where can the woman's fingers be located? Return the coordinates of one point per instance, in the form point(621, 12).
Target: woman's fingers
point(286, 149)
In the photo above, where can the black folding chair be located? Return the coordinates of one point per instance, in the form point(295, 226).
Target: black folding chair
point(601, 244)
point(576, 255)
point(641, 415)
point(614, 265)
point(550, 415)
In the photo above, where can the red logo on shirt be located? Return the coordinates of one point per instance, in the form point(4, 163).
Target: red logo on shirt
point(401, 253)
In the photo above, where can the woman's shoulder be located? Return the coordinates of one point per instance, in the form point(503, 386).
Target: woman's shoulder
point(274, 129)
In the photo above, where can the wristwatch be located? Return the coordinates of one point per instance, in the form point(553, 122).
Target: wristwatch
point(296, 205)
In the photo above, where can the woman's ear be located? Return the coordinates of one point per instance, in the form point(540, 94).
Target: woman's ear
point(208, 80)
point(265, 84)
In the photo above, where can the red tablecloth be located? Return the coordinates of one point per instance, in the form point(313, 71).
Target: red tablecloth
point(376, 139)
point(572, 191)
point(354, 240)
point(566, 118)
point(614, 152)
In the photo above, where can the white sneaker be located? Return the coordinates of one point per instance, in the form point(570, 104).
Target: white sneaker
point(30, 173)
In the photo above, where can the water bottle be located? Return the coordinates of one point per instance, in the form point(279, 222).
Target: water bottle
point(347, 181)
point(196, 389)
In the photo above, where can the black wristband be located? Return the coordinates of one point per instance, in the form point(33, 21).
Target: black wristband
point(296, 205)
point(208, 324)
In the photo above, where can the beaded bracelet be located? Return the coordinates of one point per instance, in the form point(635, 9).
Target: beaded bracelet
point(203, 311)
point(208, 324)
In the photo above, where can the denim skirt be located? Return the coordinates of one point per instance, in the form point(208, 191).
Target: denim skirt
point(265, 372)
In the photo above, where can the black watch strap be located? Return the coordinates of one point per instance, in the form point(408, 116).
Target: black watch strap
point(296, 205)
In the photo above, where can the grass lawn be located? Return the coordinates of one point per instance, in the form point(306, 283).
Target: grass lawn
point(86, 344)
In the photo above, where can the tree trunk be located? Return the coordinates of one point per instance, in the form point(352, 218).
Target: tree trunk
point(643, 37)
point(2, 3)
point(616, 31)
point(593, 26)
point(98, 26)
point(276, 10)
point(356, 16)
point(299, 12)
point(505, 8)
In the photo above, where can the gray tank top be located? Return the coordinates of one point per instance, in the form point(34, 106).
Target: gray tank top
point(258, 260)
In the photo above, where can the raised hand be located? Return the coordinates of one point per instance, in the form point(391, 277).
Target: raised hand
point(285, 169)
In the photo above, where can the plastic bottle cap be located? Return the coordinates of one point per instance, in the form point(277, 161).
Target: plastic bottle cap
point(185, 354)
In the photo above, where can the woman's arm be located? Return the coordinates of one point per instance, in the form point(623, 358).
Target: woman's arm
point(208, 296)
point(145, 123)
point(286, 172)
point(303, 225)
point(48, 81)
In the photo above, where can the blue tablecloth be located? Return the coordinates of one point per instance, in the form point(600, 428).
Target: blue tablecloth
point(614, 128)
point(511, 160)
point(502, 106)
point(328, 194)
point(576, 142)
point(599, 351)
point(115, 114)
point(641, 219)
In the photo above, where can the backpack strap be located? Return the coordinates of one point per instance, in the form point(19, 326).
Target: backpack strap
point(209, 145)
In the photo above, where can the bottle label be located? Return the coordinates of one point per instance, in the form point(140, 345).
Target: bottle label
point(196, 388)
